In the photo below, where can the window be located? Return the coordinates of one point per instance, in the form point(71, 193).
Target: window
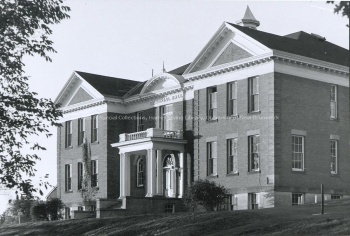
point(253, 91)
point(94, 128)
point(212, 104)
point(333, 101)
point(169, 208)
point(232, 158)
point(334, 156)
point(212, 158)
point(68, 134)
point(253, 159)
point(80, 175)
point(81, 130)
point(94, 173)
point(140, 172)
point(234, 202)
point(80, 208)
point(68, 177)
point(67, 213)
point(297, 199)
point(139, 121)
point(298, 153)
point(232, 99)
point(253, 199)
point(335, 197)
point(166, 117)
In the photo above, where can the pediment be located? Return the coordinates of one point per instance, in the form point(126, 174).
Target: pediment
point(81, 95)
point(228, 45)
point(162, 82)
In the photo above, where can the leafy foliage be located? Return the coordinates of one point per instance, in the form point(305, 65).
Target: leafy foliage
point(50, 209)
point(207, 193)
point(342, 7)
point(38, 212)
point(24, 30)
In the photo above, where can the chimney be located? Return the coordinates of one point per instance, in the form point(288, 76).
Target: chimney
point(249, 19)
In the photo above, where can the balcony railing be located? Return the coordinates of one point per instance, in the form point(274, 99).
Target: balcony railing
point(151, 133)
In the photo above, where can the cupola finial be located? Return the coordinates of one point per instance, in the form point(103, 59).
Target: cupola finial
point(249, 19)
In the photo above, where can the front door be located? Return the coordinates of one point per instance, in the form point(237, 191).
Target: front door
point(169, 176)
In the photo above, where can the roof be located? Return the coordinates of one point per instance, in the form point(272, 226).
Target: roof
point(180, 70)
point(300, 43)
point(109, 86)
point(248, 15)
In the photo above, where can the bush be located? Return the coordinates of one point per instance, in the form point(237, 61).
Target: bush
point(50, 210)
point(206, 193)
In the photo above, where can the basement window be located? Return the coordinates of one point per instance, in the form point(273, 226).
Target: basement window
point(169, 208)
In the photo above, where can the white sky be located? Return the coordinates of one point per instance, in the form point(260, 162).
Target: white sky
point(129, 38)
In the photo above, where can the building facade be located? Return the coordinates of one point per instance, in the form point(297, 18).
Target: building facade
point(266, 116)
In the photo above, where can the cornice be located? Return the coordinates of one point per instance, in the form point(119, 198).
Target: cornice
point(83, 107)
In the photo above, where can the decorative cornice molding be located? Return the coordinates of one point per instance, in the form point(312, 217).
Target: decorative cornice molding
point(85, 106)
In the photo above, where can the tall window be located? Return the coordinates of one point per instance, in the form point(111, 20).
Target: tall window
point(94, 173)
point(333, 101)
point(253, 91)
point(297, 199)
point(139, 121)
point(80, 175)
point(212, 158)
point(254, 159)
point(253, 199)
point(94, 128)
point(140, 172)
point(68, 177)
point(166, 117)
point(81, 130)
point(68, 134)
point(232, 159)
point(298, 153)
point(232, 99)
point(334, 156)
point(212, 104)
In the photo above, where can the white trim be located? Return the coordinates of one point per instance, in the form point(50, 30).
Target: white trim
point(334, 137)
point(298, 132)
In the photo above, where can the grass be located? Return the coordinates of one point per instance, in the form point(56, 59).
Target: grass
point(298, 220)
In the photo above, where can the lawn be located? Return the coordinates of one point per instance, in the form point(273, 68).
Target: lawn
point(297, 220)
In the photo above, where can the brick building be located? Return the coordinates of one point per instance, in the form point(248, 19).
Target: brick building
point(265, 115)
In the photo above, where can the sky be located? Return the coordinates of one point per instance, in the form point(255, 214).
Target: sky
point(128, 38)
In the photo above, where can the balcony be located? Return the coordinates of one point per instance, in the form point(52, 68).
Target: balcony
point(151, 133)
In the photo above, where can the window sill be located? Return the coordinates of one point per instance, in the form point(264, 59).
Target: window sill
point(140, 186)
point(254, 112)
point(233, 117)
point(334, 174)
point(213, 176)
point(70, 147)
point(95, 143)
point(254, 172)
point(232, 174)
point(295, 171)
point(334, 119)
point(212, 120)
point(69, 191)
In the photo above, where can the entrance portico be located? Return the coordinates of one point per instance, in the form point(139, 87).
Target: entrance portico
point(163, 174)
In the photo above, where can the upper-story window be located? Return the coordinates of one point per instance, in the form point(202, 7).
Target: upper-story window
point(68, 135)
point(212, 158)
point(68, 177)
point(212, 103)
point(81, 130)
point(232, 158)
point(139, 121)
point(333, 104)
point(253, 94)
point(80, 175)
point(94, 128)
point(298, 153)
point(140, 172)
point(232, 99)
point(94, 173)
point(253, 150)
point(166, 117)
point(334, 156)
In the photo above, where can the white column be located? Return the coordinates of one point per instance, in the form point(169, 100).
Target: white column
point(127, 174)
point(182, 179)
point(122, 178)
point(151, 172)
point(159, 172)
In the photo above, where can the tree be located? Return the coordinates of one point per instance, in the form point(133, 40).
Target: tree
point(38, 212)
point(24, 30)
point(54, 207)
point(21, 205)
point(343, 7)
point(207, 193)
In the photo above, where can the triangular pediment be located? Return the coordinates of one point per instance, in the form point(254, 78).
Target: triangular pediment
point(81, 96)
point(228, 45)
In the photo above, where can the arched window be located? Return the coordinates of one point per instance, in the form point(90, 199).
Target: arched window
point(140, 172)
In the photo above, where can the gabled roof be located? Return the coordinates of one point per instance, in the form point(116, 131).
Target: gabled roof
point(180, 70)
point(109, 86)
point(300, 43)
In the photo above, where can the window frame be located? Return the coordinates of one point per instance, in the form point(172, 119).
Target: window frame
point(212, 153)
point(68, 177)
point(81, 130)
point(253, 200)
point(80, 175)
point(334, 158)
point(298, 196)
point(94, 128)
point(94, 173)
point(166, 117)
point(212, 103)
point(294, 160)
point(253, 94)
point(140, 174)
point(232, 108)
point(139, 121)
point(232, 158)
point(253, 156)
point(68, 133)
point(334, 101)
